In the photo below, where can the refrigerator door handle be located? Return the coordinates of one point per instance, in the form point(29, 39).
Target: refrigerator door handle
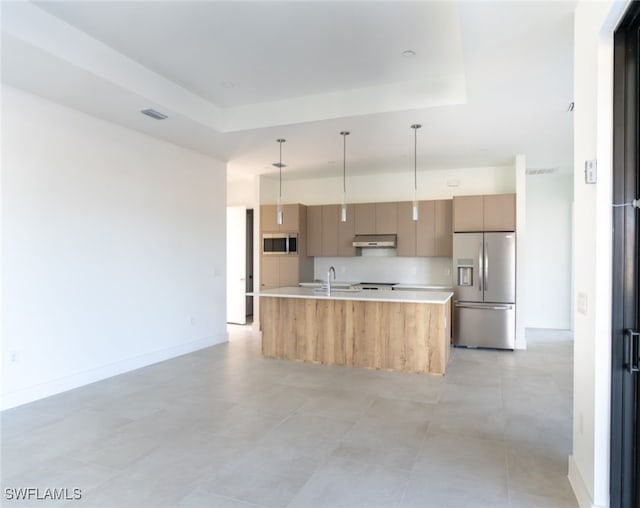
point(480, 268)
point(490, 307)
point(486, 266)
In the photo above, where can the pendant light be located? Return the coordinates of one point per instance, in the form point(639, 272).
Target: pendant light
point(414, 208)
point(279, 165)
point(343, 208)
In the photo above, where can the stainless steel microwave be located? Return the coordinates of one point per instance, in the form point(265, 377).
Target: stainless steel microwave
point(279, 243)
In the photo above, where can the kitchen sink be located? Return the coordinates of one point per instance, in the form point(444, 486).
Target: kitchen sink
point(339, 289)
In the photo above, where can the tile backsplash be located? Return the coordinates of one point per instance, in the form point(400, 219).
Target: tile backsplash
point(435, 271)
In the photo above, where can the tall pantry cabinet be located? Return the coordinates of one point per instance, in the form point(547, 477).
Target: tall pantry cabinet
point(278, 270)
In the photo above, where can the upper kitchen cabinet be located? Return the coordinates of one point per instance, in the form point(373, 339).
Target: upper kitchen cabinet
point(406, 230)
point(330, 218)
point(426, 229)
point(468, 213)
point(386, 218)
point(268, 220)
point(314, 230)
point(484, 213)
point(365, 220)
point(346, 232)
point(376, 218)
point(322, 230)
point(443, 228)
point(292, 215)
point(431, 234)
point(500, 212)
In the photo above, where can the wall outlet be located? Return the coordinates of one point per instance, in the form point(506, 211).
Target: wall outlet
point(14, 357)
point(192, 320)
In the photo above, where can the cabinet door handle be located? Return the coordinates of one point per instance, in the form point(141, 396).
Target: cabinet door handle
point(480, 268)
point(486, 266)
point(632, 350)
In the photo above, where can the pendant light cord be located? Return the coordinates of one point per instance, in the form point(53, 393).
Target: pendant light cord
point(415, 128)
point(344, 163)
point(344, 135)
point(415, 159)
point(280, 167)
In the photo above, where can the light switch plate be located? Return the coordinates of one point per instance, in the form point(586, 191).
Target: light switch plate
point(582, 303)
point(590, 171)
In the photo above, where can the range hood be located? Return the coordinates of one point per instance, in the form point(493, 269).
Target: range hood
point(375, 241)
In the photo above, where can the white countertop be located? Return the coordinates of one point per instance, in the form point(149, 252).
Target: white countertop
point(422, 287)
point(438, 297)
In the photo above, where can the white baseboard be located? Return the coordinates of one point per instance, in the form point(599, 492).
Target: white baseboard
point(579, 487)
point(53, 387)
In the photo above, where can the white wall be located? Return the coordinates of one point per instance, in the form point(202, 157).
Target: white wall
point(112, 256)
point(392, 186)
point(593, 96)
point(548, 274)
point(240, 192)
point(522, 296)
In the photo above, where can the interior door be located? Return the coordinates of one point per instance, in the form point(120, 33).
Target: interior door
point(236, 264)
point(625, 340)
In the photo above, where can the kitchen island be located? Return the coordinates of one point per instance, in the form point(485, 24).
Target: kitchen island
point(393, 330)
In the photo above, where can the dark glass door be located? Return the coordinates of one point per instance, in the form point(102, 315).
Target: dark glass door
point(625, 346)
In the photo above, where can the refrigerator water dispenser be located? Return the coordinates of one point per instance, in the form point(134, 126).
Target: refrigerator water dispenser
point(465, 272)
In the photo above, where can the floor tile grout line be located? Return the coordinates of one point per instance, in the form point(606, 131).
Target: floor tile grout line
point(413, 469)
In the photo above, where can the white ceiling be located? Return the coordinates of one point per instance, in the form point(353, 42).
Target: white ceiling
point(489, 80)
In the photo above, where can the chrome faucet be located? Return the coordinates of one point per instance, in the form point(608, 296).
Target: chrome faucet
point(331, 269)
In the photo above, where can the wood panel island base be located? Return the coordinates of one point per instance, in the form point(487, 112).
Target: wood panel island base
point(404, 332)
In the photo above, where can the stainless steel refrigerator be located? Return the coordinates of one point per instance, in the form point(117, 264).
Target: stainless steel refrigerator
point(485, 289)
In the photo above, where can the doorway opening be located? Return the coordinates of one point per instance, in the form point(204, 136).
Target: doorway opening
point(240, 264)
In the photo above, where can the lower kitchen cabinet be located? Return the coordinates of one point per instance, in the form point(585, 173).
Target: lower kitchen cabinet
point(280, 271)
point(288, 270)
point(269, 272)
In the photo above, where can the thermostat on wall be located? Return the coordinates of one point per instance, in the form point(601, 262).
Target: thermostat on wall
point(590, 171)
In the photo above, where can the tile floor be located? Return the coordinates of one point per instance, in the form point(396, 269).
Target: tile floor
point(226, 427)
